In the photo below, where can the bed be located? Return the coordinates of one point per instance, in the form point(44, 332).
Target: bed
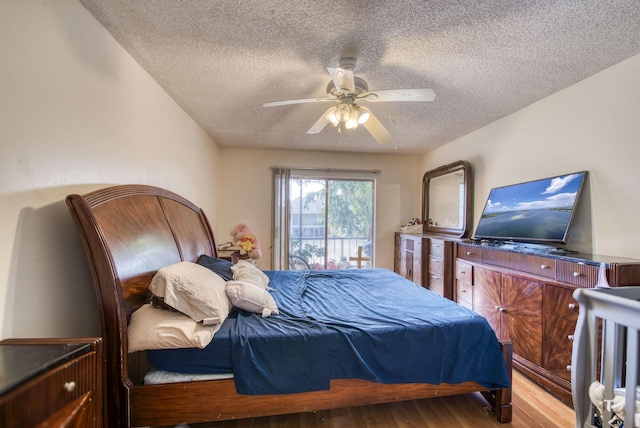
point(132, 232)
point(605, 362)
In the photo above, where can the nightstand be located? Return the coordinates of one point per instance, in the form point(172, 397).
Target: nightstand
point(51, 382)
point(231, 255)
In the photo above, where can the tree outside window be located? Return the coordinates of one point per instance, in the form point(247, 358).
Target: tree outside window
point(330, 219)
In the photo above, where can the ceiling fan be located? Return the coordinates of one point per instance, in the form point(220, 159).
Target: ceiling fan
point(348, 91)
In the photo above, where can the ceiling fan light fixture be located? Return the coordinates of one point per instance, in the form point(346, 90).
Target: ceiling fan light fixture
point(342, 113)
point(332, 116)
point(352, 122)
point(351, 117)
point(363, 115)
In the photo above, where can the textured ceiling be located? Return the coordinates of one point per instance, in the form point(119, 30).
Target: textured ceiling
point(221, 60)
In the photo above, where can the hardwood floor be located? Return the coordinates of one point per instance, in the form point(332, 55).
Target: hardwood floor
point(532, 408)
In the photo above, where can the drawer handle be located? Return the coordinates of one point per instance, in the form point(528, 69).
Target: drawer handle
point(500, 309)
point(569, 368)
point(543, 267)
point(576, 274)
point(463, 291)
point(69, 386)
point(468, 253)
point(570, 337)
point(572, 306)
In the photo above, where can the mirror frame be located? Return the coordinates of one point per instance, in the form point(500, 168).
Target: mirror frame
point(467, 200)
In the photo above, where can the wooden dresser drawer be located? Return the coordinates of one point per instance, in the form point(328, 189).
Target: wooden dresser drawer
point(64, 391)
point(464, 272)
point(436, 265)
point(536, 265)
point(469, 252)
point(436, 248)
point(557, 360)
point(464, 294)
point(436, 284)
point(42, 397)
point(579, 274)
point(496, 257)
point(559, 302)
point(559, 332)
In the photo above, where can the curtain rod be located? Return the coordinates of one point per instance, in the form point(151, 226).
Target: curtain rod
point(372, 171)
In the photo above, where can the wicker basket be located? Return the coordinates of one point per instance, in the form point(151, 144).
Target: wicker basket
point(416, 228)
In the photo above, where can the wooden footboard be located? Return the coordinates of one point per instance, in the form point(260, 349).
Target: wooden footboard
point(619, 310)
point(205, 401)
point(500, 399)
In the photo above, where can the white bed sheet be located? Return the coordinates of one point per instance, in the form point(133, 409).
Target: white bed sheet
point(155, 376)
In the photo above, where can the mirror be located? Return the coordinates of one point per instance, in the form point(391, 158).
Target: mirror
point(446, 199)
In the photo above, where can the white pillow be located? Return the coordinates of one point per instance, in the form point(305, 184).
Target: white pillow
point(252, 298)
point(247, 272)
point(193, 290)
point(152, 328)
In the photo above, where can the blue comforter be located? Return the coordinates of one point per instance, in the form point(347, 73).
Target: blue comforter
point(369, 324)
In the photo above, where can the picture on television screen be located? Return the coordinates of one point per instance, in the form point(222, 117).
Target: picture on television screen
point(536, 211)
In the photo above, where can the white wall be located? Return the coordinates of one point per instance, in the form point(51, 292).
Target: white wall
point(247, 189)
point(593, 125)
point(76, 113)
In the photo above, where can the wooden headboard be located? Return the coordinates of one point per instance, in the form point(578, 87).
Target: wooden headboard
point(128, 233)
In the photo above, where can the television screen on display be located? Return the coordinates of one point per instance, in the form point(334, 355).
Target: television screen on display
point(539, 211)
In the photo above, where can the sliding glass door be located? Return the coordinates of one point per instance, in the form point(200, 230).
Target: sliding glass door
point(331, 222)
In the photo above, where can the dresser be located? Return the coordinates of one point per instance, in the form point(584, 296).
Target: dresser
point(439, 262)
point(408, 257)
point(527, 298)
point(51, 382)
point(427, 260)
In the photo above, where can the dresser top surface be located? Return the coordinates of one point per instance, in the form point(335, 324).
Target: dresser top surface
point(19, 363)
point(570, 256)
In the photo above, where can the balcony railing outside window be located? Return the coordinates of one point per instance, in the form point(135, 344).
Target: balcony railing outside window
point(339, 252)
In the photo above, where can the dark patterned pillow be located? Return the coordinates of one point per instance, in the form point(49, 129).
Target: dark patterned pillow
point(218, 266)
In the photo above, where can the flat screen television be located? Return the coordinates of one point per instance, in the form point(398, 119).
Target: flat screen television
point(539, 211)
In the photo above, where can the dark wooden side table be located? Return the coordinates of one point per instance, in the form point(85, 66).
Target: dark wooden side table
point(51, 382)
point(231, 255)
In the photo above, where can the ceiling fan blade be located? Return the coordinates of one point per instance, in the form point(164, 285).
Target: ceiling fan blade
point(300, 101)
point(376, 128)
point(400, 95)
point(320, 123)
point(342, 79)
